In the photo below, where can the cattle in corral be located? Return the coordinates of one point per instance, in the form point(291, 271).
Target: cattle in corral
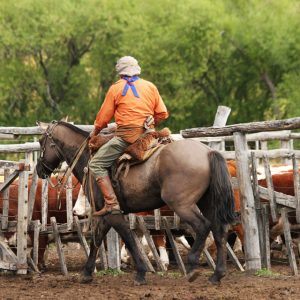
point(283, 182)
point(82, 205)
point(53, 211)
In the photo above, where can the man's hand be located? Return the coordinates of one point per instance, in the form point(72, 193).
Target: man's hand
point(95, 132)
point(148, 122)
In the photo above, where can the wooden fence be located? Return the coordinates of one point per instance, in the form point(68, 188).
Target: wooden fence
point(254, 215)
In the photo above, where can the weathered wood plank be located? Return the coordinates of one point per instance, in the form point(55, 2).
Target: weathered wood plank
point(157, 219)
point(82, 238)
point(288, 242)
point(270, 188)
point(8, 266)
point(9, 178)
point(176, 221)
point(5, 202)
point(44, 205)
point(265, 241)
point(287, 144)
point(69, 203)
point(151, 244)
point(36, 236)
point(277, 153)
point(143, 253)
point(22, 222)
point(36, 130)
point(31, 264)
point(296, 187)
point(293, 123)
point(32, 193)
point(20, 148)
point(282, 199)
point(234, 258)
point(248, 212)
point(221, 117)
point(132, 221)
point(59, 246)
point(21, 166)
point(174, 247)
point(113, 250)
point(8, 254)
point(4, 136)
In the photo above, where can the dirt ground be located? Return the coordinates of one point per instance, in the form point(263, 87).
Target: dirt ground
point(278, 284)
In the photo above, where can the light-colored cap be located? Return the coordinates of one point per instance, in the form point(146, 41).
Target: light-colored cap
point(128, 65)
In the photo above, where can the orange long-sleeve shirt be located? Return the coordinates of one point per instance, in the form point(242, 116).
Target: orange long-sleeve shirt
point(130, 111)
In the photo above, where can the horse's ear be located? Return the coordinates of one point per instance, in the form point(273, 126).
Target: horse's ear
point(43, 125)
point(65, 119)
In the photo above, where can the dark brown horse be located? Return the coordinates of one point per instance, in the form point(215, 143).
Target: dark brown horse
point(189, 177)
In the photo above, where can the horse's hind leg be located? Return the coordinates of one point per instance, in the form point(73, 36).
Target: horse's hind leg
point(201, 227)
point(219, 233)
point(89, 267)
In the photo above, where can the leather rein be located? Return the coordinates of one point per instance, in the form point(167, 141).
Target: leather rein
point(61, 182)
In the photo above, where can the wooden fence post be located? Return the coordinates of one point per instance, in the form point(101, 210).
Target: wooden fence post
point(221, 117)
point(44, 204)
point(36, 232)
point(32, 194)
point(5, 205)
point(265, 242)
point(22, 223)
point(113, 250)
point(270, 186)
point(288, 241)
point(296, 187)
point(69, 203)
point(249, 219)
point(59, 246)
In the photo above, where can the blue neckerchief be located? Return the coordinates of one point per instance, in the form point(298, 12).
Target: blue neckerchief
point(130, 84)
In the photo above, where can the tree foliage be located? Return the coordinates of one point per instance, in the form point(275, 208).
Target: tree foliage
point(58, 57)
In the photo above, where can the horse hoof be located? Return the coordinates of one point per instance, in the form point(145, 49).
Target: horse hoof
point(191, 276)
point(214, 280)
point(86, 279)
point(139, 282)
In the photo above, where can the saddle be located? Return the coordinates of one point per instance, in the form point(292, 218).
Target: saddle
point(137, 152)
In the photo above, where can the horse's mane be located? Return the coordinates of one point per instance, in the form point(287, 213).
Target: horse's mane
point(74, 128)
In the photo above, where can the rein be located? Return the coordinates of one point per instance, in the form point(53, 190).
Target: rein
point(68, 171)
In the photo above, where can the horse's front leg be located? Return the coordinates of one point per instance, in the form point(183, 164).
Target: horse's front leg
point(219, 233)
point(122, 227)
point(89, 267)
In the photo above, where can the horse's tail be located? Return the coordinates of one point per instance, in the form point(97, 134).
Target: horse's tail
point(220, 189)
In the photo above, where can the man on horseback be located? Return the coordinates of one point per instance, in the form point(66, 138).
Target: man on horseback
point(136, 105)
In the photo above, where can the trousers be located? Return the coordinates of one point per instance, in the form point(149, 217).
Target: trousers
point(106, 155)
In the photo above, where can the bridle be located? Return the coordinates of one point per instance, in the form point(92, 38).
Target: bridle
point(60, 182)
point(41, 159)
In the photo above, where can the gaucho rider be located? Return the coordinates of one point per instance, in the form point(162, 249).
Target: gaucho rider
point(135, 105)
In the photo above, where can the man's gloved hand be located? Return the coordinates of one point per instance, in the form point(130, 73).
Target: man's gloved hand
point(148, 122)
point(95, 132)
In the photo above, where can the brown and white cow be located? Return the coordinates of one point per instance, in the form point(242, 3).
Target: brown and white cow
point(53, 211)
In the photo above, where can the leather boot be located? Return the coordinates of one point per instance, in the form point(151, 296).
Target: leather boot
point(111, 204)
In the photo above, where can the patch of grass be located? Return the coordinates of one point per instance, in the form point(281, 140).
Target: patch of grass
point(110, 272)
point(266, 273)
point(169, 274)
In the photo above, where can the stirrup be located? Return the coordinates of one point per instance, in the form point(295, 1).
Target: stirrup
point(106, 210)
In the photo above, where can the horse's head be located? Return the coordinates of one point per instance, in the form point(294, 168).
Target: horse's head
point(50, 157)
